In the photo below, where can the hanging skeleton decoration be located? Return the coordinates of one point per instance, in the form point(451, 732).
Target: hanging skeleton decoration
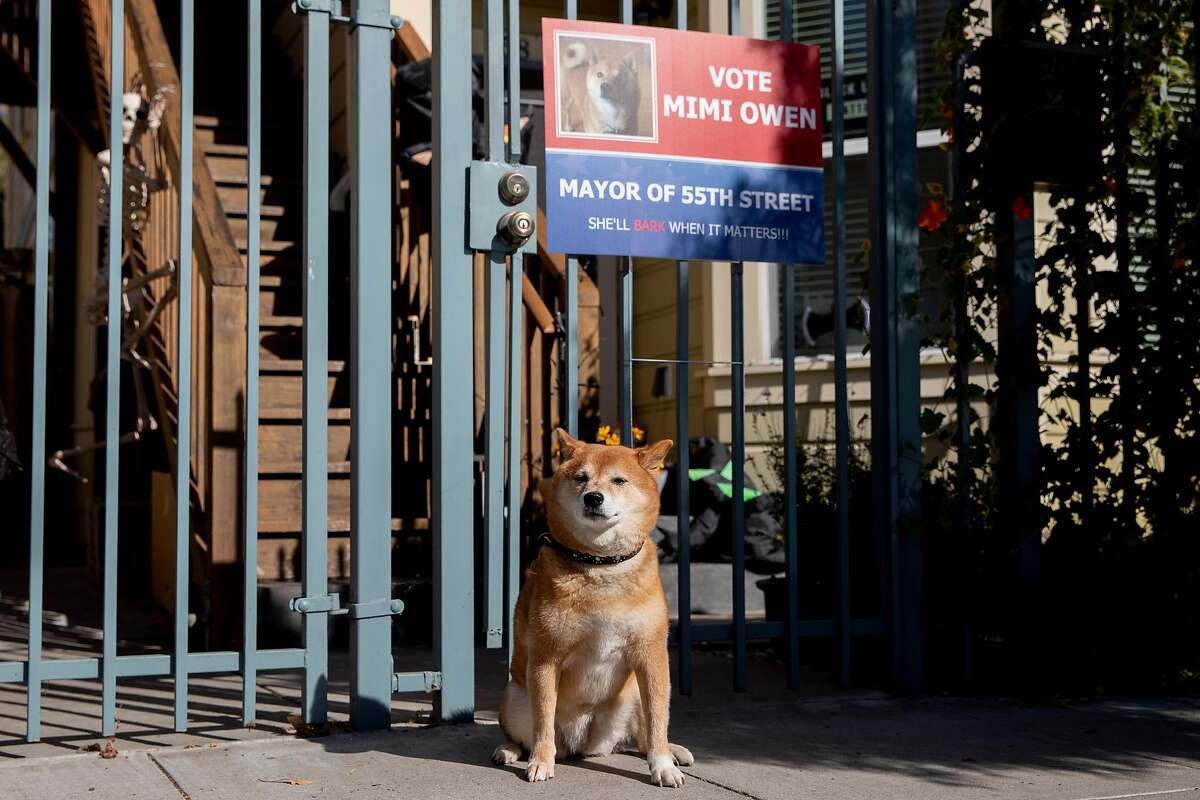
point(141, 120)
point(139, 116)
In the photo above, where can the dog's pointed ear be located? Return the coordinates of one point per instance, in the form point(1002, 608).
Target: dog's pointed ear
point(630, 60)
point(651, 456)
point(567, 443)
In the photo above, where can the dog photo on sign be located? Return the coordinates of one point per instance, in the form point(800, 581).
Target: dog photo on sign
point(606, 87)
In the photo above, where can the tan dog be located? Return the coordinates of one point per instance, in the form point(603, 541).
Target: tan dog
point(601, 94)
point(590, 669)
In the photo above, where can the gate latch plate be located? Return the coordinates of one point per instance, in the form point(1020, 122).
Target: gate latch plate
point(489, 204)
point(376, 608)
point(318, 604)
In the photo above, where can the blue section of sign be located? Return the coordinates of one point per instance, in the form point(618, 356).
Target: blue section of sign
point(683, 209)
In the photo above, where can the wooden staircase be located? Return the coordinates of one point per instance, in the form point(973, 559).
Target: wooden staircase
point(280, 441)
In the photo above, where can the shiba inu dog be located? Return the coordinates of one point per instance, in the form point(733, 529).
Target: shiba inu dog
point(590, 669)
point(600, 94)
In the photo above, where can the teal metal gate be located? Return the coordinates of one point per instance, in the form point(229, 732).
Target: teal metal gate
point(487, 206)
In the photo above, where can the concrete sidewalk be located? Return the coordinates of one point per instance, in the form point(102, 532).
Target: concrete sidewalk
point(821, 748)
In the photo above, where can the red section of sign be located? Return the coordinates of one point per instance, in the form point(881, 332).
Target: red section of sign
point(697, 95)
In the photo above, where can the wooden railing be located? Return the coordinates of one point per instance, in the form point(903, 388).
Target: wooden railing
point(155, 247)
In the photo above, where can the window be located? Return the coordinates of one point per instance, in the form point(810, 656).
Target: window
point(814, 284)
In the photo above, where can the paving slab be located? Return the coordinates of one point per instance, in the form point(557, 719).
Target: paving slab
point(895, 749)
point(440, 762)
point(129, 776)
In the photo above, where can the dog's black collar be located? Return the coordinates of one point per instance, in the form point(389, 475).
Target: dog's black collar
point(587, 558)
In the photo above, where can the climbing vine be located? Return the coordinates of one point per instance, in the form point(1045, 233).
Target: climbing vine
point(1118, 351)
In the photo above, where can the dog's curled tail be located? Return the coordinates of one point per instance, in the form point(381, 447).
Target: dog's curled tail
point(575, 55)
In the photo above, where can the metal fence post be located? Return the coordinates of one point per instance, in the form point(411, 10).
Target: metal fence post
point(452, 356)
point(895, 368)
point(371, 395)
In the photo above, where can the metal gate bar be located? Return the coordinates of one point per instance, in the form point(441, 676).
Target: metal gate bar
point(841, 393)
point(112, 410)
point(788, 341)
point(570, 358)
point(737, 380)
point(250, 664)
point(37, 511)
point(371, 388)
point(316, 365)
point(625, 314)
point(496, 269)
point(516, 346)
point(682, 449)
point(452, 358)
point(183, 449)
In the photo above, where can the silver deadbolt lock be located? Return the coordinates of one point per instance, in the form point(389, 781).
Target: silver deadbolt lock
point(514, 188)
point(515, 227)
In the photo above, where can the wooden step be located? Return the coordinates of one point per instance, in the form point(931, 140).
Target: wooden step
point(281, 504)
point(217, 149)
point(275, 299)
point(278, 469)
point(233, 195)
point(238, 178)
point(269, 245)
point(276, 414)
point(268, 229)
point(238, 209)
point(277, 557)
point(283, 390)
point(295, 366)
point(281, 444)
point(281, 322)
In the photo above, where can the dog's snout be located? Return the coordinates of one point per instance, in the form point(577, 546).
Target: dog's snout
point(593, 500)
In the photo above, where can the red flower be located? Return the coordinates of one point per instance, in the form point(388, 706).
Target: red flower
point(1021, 208)
point(1110, 183)
point(1180, 262)
point(932, 216)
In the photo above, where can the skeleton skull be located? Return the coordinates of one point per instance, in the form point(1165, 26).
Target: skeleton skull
point(134, 115)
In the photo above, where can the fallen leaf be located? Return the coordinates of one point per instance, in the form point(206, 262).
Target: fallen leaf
point(287, 781)
point(110, 749)
point(94, 747)
point(303, 729)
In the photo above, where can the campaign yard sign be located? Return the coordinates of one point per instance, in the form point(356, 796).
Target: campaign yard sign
point(682, 145)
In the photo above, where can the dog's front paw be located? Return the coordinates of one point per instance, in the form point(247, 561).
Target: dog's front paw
point(663, 772)
point(506, 754)
point(683, 756)
point(541, 767)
